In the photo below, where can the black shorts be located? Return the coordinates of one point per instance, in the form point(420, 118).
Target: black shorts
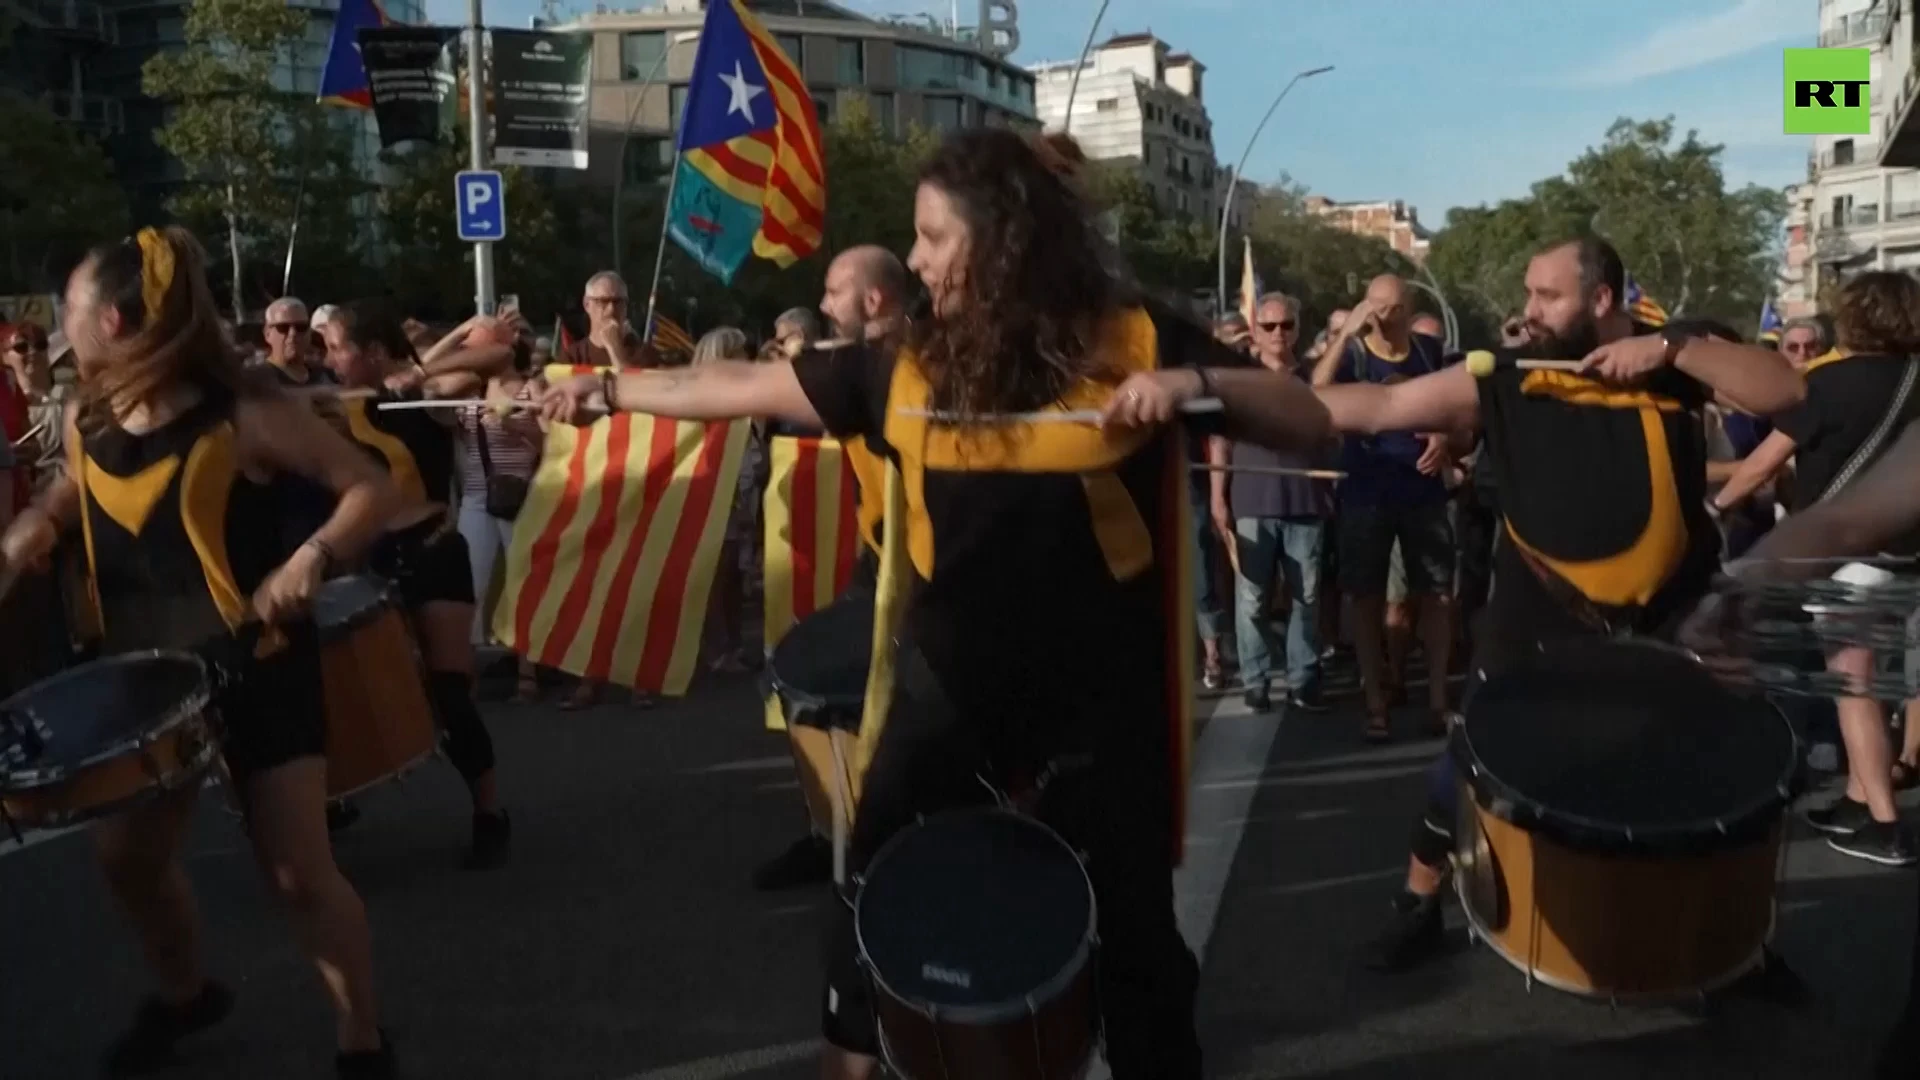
point(274, 711)
point(928, 760)
point(1366, 538)
point(427, 563)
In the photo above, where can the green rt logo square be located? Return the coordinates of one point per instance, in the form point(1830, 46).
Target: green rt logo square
point(1827, 92)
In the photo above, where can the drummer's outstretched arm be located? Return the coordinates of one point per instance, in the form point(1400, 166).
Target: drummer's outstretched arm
point(717, 390)
point(1867, 515)
point(1447, 400)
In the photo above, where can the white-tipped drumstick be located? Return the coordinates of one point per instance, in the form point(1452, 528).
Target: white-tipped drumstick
point(1481, 363)
point(1196, 407)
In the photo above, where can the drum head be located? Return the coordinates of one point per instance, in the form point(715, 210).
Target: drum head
point(346, 604)
point(822, 661)
point(95, 711)
point(974, 910)
point(1626, 747)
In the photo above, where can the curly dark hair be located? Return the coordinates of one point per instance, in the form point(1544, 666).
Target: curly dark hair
point(1878, 313)
point(1036, 288)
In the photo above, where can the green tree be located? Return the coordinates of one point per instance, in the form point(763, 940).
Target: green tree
point(1693, 244)
point(250, 152)
point(57, 197)
point(1302, 254)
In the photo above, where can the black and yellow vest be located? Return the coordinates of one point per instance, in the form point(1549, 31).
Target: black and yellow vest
point(177, 538)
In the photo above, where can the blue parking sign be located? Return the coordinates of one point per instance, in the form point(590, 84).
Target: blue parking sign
point(480, 205)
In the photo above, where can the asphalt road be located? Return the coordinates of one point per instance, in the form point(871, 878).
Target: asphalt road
point(623, 942)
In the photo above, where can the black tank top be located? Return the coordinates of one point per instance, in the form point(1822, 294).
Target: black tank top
point(177, 537)
point(413, 446)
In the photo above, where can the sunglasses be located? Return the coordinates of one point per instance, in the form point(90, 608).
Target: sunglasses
point(1271, 327)
point(288, 327)
point(25, 347)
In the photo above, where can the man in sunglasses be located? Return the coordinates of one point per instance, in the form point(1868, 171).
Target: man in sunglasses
point(290, 349)
point(1276, 526)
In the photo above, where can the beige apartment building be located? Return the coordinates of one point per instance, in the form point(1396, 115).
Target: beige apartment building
point(1394, 222)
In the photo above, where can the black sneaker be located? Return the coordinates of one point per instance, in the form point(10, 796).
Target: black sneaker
point(1258, 698)
point(1885, 842)
point(1842, 817)
point(148, 1046)
point(1414, 935)
point(367, 1064)
point(808, 861)
point(492, 835)
point(1308, 700)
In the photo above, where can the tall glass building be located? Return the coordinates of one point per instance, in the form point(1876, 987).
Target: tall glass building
point(142, 29)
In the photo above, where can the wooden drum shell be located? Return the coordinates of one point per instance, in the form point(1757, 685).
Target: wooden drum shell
point(380, 721)
point(1616, 926)
point(167, 761)
point(1054, 1041)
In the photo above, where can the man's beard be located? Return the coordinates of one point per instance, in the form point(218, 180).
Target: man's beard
point(1545, 344)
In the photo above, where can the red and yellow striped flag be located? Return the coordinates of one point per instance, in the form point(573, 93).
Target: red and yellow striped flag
point(614, 551)
point(812, 535)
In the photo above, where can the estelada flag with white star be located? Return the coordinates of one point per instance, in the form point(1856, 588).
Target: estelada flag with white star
point(752, 176)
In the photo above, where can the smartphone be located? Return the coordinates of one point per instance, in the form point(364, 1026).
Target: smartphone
point(509, 300)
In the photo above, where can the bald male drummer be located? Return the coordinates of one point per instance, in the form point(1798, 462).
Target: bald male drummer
point(867, 290)
point(1602, 477)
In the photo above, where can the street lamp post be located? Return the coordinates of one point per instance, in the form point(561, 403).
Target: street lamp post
point(626, 135)
point(1233, 180)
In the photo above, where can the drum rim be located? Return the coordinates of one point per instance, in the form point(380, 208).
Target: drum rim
point(1029, 1004)
point(1503, 800)
point(192, 707)
point(810, 699)
point(383, 602)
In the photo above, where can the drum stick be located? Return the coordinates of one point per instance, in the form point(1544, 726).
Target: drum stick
point(1481, 363)
point(459, 403)
point(31, 434)
point(1196, 407)
point(1273, 470)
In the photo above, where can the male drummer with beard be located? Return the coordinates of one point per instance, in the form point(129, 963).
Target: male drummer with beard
point(865, 300)
point(1602, 476)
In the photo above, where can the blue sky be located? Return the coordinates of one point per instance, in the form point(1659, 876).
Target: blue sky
point(1440, 102)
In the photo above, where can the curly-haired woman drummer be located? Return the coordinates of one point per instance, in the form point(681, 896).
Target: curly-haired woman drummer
point(1036, 632)
point(422, 551)
point(178, 461)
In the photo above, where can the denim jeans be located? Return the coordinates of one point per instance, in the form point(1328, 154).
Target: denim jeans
point(1274, 550)
point(1206, 561)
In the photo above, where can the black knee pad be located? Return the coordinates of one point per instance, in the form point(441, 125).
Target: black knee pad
point(469, 744)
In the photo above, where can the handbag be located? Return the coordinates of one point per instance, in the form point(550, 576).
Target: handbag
point(505, 494)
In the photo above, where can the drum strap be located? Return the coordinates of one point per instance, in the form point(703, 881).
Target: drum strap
point(1889, 425)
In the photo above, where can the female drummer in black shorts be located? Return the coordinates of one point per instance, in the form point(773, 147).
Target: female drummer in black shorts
point(422, 551)
point(178, 465)
point(1037, 632)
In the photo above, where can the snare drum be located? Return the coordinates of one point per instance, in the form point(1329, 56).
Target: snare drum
point(977, 928)
point(379, 717)
point(819, 669)
point(103, 737)
point(1621, 820)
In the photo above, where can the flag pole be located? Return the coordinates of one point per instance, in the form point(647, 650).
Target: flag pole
point(660, 251)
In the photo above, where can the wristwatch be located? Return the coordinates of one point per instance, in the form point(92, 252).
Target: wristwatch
point(1676, 338)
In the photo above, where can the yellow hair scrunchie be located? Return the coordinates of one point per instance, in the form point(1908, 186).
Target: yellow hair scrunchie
point(156, 271)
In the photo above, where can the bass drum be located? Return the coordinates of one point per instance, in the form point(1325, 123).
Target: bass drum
point(1621, 820)
point(104, 737)
point(977, 928)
